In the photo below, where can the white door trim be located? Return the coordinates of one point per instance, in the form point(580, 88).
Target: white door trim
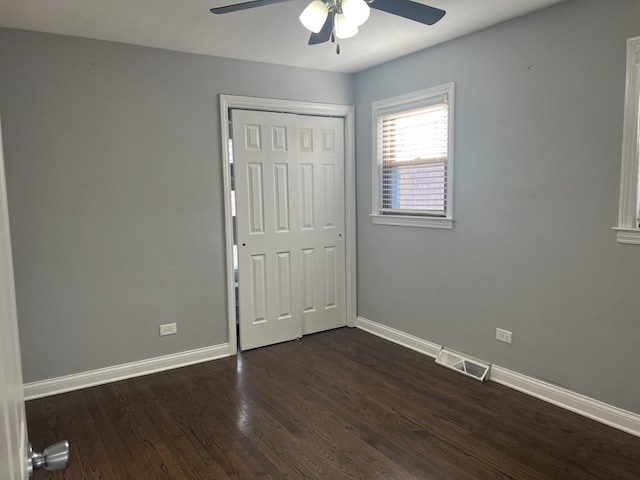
point(347, 112)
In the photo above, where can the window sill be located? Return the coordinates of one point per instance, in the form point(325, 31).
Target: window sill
point(628, 235)
point(409, 221)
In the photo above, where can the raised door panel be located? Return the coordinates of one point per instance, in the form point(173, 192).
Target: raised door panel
point(255, 202)
point(258, 286)
point(331, 279)
point(329, 192)
point(307, 196)
point(281, 193)
point(309, 280)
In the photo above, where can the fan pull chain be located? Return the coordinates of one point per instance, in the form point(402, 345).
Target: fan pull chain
point(334, 38)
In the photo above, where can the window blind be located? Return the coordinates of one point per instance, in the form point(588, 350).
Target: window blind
point(413, 154)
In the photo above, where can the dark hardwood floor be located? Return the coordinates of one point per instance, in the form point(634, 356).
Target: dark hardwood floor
point(336, 405)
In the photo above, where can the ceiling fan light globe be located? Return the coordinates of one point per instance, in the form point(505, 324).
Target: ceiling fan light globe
point(345, 28)
point(314, 15)
point(356, 10)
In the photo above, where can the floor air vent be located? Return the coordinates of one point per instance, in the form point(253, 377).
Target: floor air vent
point(469, 366)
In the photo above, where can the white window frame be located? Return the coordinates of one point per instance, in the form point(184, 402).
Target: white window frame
point(404, 103)
point(627, 229)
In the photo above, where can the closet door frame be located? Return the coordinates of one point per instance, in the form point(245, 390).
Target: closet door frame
point(347, 113)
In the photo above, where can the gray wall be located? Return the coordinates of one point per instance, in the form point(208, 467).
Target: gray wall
point(115, 190)
point(538, 135)
point(115, 196)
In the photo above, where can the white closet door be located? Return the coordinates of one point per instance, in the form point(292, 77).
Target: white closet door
point(267, 202)
point(322, 242)
point(289, 173)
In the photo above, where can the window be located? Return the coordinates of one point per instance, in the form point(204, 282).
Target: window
point(628, 229)
point(413, 159)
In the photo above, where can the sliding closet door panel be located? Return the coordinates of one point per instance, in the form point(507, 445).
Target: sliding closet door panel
point(321, 173)
point(267, 202)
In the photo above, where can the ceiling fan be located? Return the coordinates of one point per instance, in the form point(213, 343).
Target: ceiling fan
point(340, 19)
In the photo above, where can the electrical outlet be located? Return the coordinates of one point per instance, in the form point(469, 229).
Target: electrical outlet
point(168, 329)
point(503, 335)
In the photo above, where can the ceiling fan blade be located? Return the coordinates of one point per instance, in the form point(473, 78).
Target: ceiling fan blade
point(411, 10)
point(244, 6)
point(325, 33)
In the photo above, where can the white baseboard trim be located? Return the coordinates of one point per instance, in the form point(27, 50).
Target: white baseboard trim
point(396, 336)
point(77, 381)
point(575, 402)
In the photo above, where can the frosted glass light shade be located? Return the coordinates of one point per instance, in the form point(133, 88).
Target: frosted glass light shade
point(345, 28)
point(357, 11)
point(314, 16)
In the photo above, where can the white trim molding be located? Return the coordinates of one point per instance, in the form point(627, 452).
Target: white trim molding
point(412, 221)
point(575, 402)
point(629, 236)
point(347, 112)
point(627, 230)
point(401, 338)
point(78, 381)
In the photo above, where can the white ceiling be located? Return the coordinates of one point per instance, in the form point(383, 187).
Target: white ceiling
point(270, 34)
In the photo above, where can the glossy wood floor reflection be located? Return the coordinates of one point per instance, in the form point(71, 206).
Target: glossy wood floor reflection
point(337, 405)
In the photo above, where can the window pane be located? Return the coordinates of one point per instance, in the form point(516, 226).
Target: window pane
point(415, 187)
point(413, 149)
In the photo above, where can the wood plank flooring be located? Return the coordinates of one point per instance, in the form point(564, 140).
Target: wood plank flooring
point(336, 405)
